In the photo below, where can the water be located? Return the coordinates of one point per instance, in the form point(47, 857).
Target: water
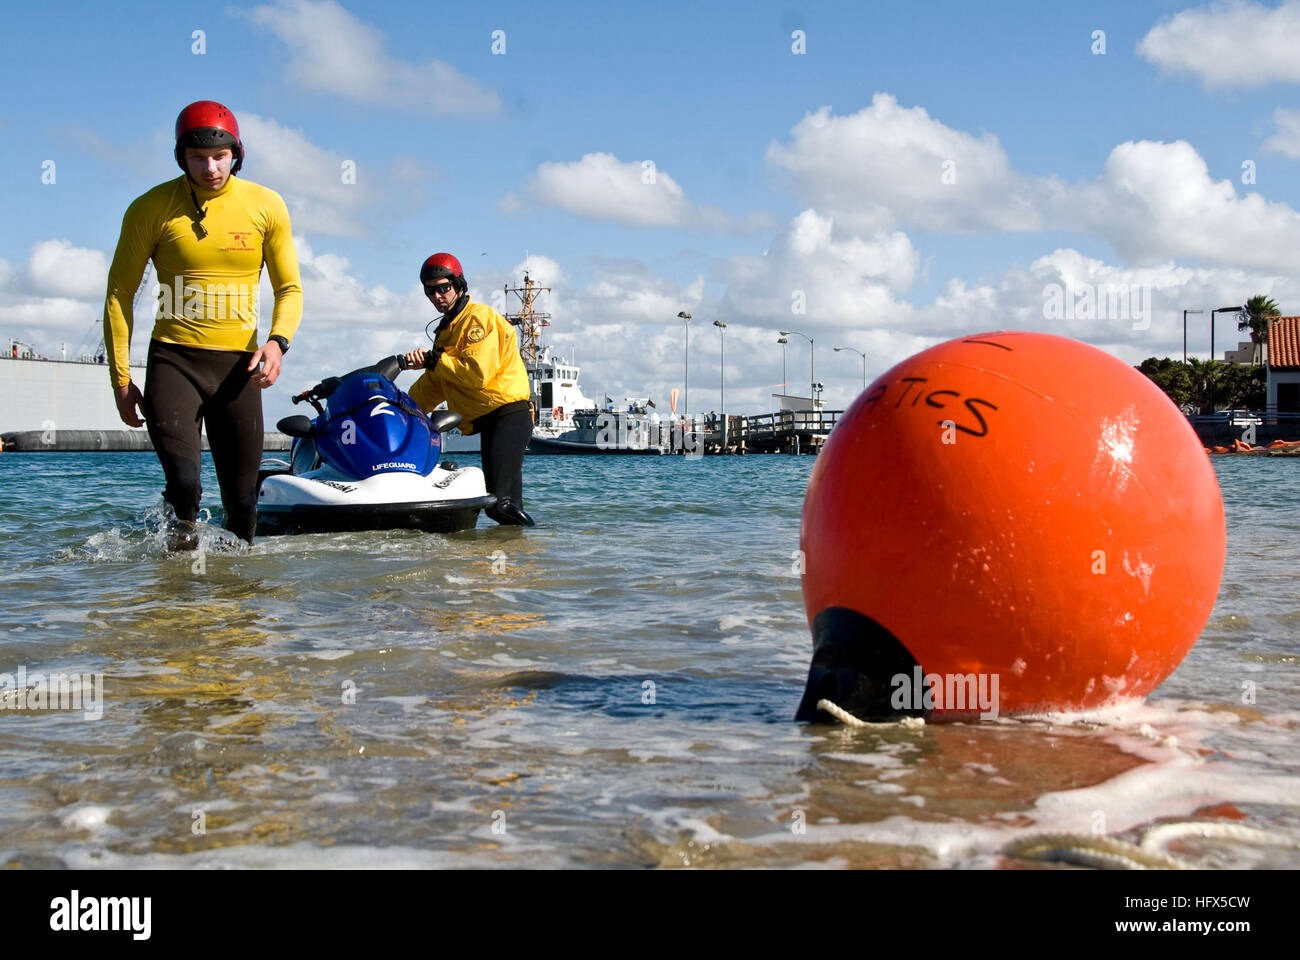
point(613, 688)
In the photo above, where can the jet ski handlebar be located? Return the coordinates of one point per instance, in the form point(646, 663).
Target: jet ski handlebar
point(389, 368)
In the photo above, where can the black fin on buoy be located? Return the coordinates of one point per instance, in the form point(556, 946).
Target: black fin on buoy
point(854, 662)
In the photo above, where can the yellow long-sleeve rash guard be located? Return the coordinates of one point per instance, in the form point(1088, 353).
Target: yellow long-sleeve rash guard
point(207, 270)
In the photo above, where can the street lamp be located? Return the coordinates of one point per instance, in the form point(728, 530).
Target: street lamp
point(1212, 313)
point(784, 382)
point(686, 394)
point(812, 363)
point(1185, 313)
point(722, 378)
point(1210, 376)
point(864, 362)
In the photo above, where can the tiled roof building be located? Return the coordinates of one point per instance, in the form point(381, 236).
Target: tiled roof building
point(1284, 366)
point(1284, 343)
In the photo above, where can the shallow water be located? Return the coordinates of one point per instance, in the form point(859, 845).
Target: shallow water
point(611, 688)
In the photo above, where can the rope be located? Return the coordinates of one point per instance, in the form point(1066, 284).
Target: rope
point(844, 717)
point(1155, 839)
point(1099, 852)
point(1112, 853)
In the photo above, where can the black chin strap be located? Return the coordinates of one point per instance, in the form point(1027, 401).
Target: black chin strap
point(199, 214)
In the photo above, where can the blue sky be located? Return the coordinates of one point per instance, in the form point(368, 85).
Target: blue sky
point(539, 151)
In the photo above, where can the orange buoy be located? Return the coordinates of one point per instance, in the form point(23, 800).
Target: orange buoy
point(1006, 523)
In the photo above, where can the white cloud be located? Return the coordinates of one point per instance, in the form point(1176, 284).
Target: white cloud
point(628, 291)
point(1152, 201)
point(1018, 300)
point(310, 178)
point(810, 273)
point(621, 317)
point(41, 320)
point(58, 269)
point(312, 181)
point(1156, 201)
point(888, 165)
point(600, 187)
point(333, 51)
point(543, 270)
point(1229, 44)
point(56, 297)
point(1287, 138)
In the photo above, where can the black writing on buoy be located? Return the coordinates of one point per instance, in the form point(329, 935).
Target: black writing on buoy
point(932, 399)
point(969, 405)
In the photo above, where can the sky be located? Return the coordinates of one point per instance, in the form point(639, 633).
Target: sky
point(876, 177)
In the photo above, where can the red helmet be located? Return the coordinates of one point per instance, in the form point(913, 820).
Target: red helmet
point(443, 266)
point(206, 123)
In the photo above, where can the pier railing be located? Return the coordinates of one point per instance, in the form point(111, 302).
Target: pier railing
point(770, 425)
point(788, 430)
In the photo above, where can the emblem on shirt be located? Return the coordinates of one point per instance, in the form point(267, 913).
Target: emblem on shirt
point(238, 240)
point(476, 332)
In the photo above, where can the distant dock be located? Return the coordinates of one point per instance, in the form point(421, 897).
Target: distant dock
point(789, 431)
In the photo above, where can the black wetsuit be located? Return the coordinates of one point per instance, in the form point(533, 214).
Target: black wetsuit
point(506, 432)
point(188, 385)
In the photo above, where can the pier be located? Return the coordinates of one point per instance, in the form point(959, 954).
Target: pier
point(788, 431)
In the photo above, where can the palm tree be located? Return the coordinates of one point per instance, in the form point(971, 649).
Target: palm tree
point(1206, 376)
point(1254, 317)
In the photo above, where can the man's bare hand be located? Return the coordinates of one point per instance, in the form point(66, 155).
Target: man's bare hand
point(269, 357)
point(128, 399)
point(415, 359)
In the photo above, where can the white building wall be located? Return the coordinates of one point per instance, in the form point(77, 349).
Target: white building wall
point(1276, 377)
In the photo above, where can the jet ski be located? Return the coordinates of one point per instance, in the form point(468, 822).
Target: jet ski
point(369, 460)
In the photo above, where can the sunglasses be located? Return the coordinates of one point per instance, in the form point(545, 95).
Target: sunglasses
point(443, 287)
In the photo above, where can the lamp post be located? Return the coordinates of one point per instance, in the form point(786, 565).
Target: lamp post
point(1212, 313)
point(1185, 313)
point(812, 364)
point(784, 382)
point(864, 362)
point(722, 377)
point(686, 394)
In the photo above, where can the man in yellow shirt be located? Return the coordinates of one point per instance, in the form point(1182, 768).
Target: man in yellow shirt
point(208, 234)
point(476, 368)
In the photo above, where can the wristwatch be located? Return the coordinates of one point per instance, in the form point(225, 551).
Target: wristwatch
point(284, 344)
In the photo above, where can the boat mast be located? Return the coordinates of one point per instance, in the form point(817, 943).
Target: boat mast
point(529, 321)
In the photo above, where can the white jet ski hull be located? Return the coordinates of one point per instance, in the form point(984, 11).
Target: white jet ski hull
point(323, 500)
